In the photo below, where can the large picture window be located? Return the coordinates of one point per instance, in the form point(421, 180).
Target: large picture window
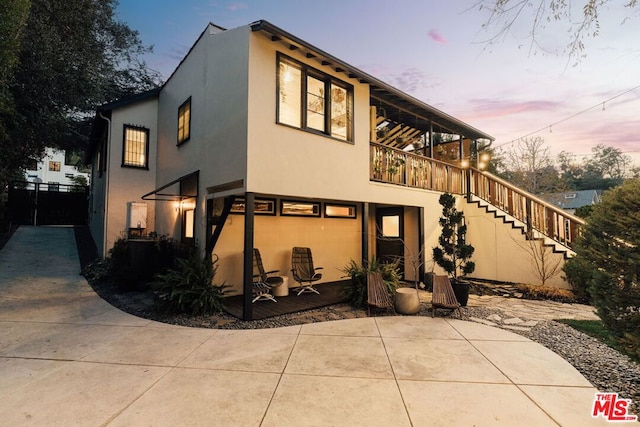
point(184, 122)
point(311, 100)
point(136, 147)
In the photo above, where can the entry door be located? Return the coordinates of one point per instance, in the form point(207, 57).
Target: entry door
point(390, 236)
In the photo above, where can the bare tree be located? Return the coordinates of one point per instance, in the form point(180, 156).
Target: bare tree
point(545, 266)
point(529, 165)
point(505, 15)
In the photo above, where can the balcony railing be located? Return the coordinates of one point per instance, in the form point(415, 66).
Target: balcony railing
point(394, 166)
point(399, 167)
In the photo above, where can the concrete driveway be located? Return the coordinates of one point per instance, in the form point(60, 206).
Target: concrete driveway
point(68, 358)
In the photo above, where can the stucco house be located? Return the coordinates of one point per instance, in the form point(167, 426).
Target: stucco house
point(53, 170)
point(260, 139)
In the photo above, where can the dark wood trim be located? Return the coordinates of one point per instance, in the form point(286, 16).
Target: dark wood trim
point(218, 222)
point(232, 185)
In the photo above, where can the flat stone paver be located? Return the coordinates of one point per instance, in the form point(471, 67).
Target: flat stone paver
point(68, 358)
point(514, 308)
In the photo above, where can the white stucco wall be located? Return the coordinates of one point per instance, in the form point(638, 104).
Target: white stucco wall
point(289, 161)
point(502, 252)
point(126, 184)
point(214, 75)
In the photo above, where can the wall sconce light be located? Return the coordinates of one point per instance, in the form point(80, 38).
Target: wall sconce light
point(176, 206)
point(464, 163)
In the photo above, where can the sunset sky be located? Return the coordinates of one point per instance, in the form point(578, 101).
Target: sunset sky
point(435, 50)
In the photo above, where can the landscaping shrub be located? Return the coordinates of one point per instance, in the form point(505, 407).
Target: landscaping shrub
point(541, 292)
point(609, 246)
point(578, 273)
point(453, 253)
point(356, 292)
point(133, 263)
point(189, 287)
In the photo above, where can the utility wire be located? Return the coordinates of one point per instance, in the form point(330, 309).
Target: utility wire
point(570, 117)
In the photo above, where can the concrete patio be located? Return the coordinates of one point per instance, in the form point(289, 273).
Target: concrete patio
point(69, 358)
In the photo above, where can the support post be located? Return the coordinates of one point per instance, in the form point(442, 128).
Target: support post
point(249, 211)
point(467, 174)
point(365, 233)
point(421, 250)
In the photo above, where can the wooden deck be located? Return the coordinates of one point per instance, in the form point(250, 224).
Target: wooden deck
point(330, 293)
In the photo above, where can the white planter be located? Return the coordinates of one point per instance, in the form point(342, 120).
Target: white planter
point(407, 301)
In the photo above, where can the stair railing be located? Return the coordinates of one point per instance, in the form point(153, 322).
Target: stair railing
point(537, 214)
point(391, 165)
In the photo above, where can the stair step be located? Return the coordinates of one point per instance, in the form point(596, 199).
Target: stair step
point(517, 224)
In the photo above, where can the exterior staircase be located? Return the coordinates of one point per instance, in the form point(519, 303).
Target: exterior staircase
point(516, 224)
point(536, 218)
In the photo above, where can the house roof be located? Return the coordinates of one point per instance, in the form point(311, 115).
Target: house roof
point(131, 99)
point(98, 126)
point(399, 107)
point(409, 109)
point(574, 199)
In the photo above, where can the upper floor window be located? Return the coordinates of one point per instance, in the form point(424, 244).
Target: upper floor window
point(309, 99)
point(135, 147)
point(54, 166)
point(184, 122)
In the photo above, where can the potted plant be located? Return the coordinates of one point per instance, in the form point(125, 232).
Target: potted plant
point(356, 292)
point(453, 253)
point(428, 277)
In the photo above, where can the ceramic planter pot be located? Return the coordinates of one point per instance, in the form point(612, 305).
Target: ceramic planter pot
point(461, 290)
point(407, 301)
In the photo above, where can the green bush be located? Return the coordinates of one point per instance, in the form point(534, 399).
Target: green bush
point(609, 245)
point(453, 253)
point(541, 292)
point(133, 263)
point(578, 273)
point(189, 288)
point(356, 292)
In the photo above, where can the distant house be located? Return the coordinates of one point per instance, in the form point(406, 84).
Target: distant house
point(53, 170)
point(261, 140)
point(572, 200)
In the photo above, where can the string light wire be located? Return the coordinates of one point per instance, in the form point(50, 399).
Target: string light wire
point(550, 127)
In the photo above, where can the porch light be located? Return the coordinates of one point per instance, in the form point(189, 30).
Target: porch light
point(464, 163)
point(483, 163)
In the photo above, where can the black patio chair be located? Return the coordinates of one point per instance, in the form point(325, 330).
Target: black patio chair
point(262, 282)
point(303, 270)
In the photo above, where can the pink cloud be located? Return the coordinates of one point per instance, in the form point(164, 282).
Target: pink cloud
point(488, 108)
point(236, 6)
point(436, 36)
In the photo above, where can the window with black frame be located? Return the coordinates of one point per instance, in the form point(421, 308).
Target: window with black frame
point(135, 147)
point(184, 122)
point(311, 100)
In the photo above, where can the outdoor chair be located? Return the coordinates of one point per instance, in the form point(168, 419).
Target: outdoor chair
point(262, 283)
point(443, 296)
point(303, 270)
point(377, 293)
